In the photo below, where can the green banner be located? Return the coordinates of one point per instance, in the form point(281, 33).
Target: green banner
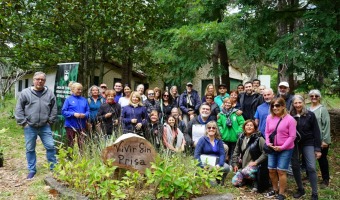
point(66, 73)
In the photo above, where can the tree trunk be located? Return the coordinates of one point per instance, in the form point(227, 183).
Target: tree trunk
point(82, 63)
point(101, 66)
point(127, 71)
point(223, 54)
point(215, 65)
point(93, 63)
point(284, 28)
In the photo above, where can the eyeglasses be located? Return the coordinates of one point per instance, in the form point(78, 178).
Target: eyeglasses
point(314, 96)
point(40, 79)
point(165, 95)
point(211, 127)
point(208, 98)
point(276, 105)
point(151, 94)
point(103, 87)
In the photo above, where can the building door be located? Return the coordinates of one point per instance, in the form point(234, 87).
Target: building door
point(234, 83)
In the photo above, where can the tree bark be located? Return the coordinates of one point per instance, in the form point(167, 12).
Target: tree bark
point(215, 65)
point(127, 71)
point(223, 54)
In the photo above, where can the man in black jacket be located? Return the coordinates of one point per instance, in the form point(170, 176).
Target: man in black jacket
point(249, 101)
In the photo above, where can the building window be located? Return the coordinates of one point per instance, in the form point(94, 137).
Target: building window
point(20, 85)
point(96, 80)
point(26, 83)
point(115, 80)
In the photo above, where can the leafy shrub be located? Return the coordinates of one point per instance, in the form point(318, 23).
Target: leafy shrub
point(171, 176)
point(178, 176)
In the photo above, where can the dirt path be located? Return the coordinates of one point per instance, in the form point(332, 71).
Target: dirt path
point(13, 183)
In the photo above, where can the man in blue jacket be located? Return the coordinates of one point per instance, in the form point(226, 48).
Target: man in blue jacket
point(189, 103)
point(36, 110)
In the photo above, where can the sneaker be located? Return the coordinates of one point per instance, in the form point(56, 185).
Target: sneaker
point(280, 197)
point(315, 197)
point(271, 194)
point(30, 176)
point(254, 189)
point(299, 193)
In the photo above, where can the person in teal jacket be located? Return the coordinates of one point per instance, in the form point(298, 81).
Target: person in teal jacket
point(230, 125)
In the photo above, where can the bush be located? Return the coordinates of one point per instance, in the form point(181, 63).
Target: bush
point(178, 176)
point(171, 176)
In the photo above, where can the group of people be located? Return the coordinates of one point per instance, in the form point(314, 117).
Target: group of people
point(250, 130)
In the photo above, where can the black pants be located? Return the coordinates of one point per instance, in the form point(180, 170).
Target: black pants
point(323, 163)
point(231, 146)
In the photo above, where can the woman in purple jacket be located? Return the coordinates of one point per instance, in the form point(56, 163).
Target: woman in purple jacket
point(134, 116)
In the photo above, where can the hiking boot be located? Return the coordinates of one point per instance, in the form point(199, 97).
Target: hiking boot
point(315, 197)
point(30, 176)
point(324, 184)
point(299, 193)
point(271, 194)
point(280, 197)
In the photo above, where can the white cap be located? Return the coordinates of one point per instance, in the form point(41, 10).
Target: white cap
point(284, 83)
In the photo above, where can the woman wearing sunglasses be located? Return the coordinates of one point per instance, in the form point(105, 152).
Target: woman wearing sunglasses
point(322, 115)
point(150, 103)
point(167, 103)
point(284, 125)
point(212, 145)
point(309, 145)
point(215, 109)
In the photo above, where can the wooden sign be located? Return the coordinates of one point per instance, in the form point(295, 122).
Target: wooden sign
point(131, 151)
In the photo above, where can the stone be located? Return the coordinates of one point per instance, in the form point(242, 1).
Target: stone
point(62, 191)
point(130, 151)
point(216, 196)
point(334, 115)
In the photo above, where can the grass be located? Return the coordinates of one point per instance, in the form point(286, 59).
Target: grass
point(331, 102)
point(12, 141)
point(14, 172)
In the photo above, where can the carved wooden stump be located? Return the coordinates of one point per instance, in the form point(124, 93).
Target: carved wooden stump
point(130, 151)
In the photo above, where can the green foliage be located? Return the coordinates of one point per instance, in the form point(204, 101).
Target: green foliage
point(88, 175)
point(179, 176)
point(174, 176)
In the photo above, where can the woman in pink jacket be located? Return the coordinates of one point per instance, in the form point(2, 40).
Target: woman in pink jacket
point(282, 144)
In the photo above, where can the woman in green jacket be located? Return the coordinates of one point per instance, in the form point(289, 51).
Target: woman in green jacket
point(230, 125)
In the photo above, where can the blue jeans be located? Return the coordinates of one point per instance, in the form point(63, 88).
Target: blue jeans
point(280, 160)
point(309, 154)
point(45, 135)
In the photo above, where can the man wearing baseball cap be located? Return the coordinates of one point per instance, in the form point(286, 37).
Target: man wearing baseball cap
point(283, 92)
point(103, 86)
point(222, 90)
point(189, 103)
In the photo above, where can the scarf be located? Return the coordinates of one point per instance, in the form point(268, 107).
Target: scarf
point(228, 113)
point(200, 120)
point(170, 139)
